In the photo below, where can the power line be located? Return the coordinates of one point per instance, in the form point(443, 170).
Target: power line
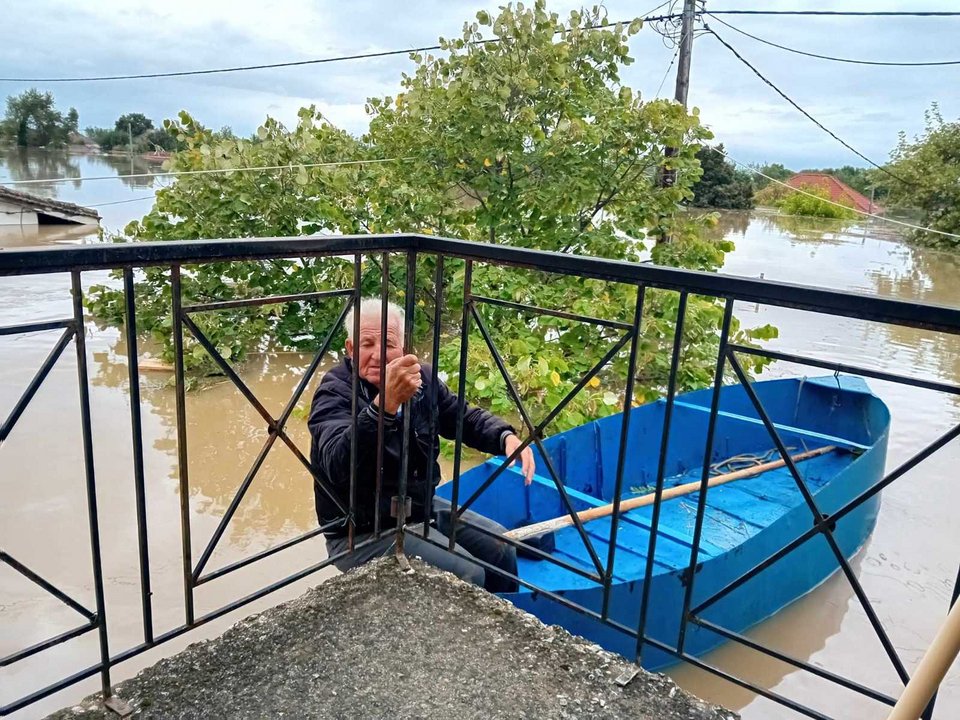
point(830, 57)
point(752, 169)
point(676, 53)
point(121, 202)
point(296, 63)
point(208, 171)
point(844, 13)
point(810, 117)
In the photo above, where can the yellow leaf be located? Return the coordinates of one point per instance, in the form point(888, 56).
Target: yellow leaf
point(594, 382)
point(486, 162)
point(555, 378)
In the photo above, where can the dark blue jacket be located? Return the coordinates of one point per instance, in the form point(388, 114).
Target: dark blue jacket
point(331, 428)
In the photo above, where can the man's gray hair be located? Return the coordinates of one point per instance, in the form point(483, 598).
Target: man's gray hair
point(371, 307)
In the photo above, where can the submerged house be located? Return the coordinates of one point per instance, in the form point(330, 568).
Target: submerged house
point(837, 191)
point(20, 208)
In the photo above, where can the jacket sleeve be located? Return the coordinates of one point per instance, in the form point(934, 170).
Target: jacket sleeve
point(331, 428)
point(482, 430)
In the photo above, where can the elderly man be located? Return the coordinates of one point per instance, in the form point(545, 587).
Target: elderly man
point(331, 428)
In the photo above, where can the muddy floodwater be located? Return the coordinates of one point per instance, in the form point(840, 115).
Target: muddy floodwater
point(908, 566)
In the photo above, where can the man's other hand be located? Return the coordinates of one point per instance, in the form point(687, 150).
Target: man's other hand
point(511, 443)
point(403, 380)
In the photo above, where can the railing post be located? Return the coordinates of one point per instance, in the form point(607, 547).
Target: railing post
point(402, 499)
point(354, 392)
point(461, 399)
point(182, 457)
point(705, 472)
point(661, 470)
point(86, 430)
point(381, 437)
point(136, 428)
point(622, 453)
point(434, 386)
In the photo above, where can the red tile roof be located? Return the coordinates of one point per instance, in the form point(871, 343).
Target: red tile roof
point(838, 191)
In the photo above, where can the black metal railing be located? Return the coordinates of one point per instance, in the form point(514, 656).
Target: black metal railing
point(643, 277)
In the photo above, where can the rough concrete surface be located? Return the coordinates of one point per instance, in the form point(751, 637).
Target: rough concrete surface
point(378, 643)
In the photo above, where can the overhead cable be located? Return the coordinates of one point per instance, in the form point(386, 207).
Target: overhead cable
point(122, 202)
point(844, 13)
point(810, 117)
point(295, 63)
point(852, 61)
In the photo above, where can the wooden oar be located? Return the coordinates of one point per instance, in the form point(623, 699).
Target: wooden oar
point(931, 670)
point(667, 494)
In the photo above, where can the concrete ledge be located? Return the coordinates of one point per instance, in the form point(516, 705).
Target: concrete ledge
point(376, 643)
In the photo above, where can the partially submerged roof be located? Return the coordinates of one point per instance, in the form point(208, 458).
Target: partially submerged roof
point(836, 190)
point(49, 210)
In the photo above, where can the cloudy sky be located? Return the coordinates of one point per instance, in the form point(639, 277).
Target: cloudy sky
point(865, 105)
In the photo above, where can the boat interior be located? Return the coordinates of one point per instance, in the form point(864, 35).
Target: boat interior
point(809, 413)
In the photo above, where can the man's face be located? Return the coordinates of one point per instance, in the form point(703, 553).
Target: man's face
point(369, 346)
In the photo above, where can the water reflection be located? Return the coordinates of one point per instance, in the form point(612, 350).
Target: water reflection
point(224, 435)
point(12, 236)
point(29, 164)
point(125, 166)
point(834, 600)
point(731, 223)
point(32, 164)
point(808, 229)
point(927, 276)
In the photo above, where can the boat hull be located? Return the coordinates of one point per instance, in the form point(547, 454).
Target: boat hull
point(746, 522)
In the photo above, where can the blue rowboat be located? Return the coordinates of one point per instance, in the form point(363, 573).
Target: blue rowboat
point(745, 521)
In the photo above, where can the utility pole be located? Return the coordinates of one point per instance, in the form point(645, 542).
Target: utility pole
point(669, 176)
point(130, 135)
point(686, 50)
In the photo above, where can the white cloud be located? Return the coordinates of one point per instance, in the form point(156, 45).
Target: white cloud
point(865, 105)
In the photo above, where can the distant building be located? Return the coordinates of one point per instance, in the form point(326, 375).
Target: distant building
point(79, 142)
point(20, 208)
point(837, 191)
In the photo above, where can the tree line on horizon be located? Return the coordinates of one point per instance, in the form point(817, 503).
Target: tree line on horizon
point(32, 120)
point(922, 179)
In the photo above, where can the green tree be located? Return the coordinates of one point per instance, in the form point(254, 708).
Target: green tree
point(772, 170)
point(159, 138)
point(107, 138)
point(135, 123)
point(814, 201)
point(930, 168)
point(72, 120)
point(32, 120)
point(721, 185)
point(771, 195)
point(531, 141)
